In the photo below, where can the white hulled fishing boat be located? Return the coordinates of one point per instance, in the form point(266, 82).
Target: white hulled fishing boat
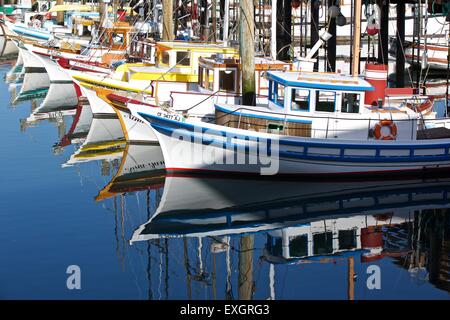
point(314, 124)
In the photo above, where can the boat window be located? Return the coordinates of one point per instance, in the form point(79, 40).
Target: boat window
point(274, 245)
point(347, 239)
point(350, 103)
point(183, 58)
point(227, 80)
point(165, 58)
point(200, 76)
point(298, 246)
point(210, 79)
point(272, 91)
point(279, 94)
point(117, 39)
point(300, 100)
point(323, 243)
point(325, 101)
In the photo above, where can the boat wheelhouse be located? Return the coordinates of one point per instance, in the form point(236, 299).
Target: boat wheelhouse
point(176, 69)
point(321, 105)
point(219, 82)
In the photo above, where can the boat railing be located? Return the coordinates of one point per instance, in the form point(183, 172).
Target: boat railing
point(417, 124)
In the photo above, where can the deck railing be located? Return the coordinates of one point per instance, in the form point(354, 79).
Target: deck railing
point(417, 124)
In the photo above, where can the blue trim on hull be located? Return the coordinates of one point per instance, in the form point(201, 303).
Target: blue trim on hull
point(304, 155)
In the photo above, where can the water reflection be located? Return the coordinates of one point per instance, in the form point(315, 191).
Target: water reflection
point(214, 237)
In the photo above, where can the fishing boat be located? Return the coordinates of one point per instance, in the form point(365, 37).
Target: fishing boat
point(35, 81)
point(315, 124)
point(7, 48)
point(176, 69)
point(62, 92)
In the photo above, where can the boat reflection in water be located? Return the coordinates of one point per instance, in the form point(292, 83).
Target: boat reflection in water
point(232, 238)
point(141, 168)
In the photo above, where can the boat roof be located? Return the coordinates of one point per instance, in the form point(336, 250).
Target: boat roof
point(320, 80)
point(195, 46)
point(261, 63)
point(81, 8)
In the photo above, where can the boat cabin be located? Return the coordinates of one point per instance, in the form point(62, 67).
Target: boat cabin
point(321, 105)
point(217, 74)
point(186, 54)
point(175, 62)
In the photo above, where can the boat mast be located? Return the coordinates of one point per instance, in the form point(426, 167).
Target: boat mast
point(103, 9)
point(226, 22)
point(273, 36)
point(357, 39)
point(247, 51)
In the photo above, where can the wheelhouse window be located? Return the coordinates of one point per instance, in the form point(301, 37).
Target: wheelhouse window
point(350, 103)
point(323, 243)
point(300, 100)
point(183, 58)
point(347, 239)
point(298, 246)
point(118, 39)
point(276, 93)
point(325, 101)
point(227, 80)
point(280, 95)
point(201, 75)
point(209, 79)
point(164, 57)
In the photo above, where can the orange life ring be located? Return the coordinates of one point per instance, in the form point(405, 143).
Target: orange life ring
point(423, 106)
point(386, 123)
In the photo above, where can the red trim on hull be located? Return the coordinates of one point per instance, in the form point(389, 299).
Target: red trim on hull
point(374, 175)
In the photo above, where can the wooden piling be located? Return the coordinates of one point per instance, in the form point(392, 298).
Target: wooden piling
point(245, 278)
point(247, 51)
point(60, 14)
point(168, 34)
point(357, 39)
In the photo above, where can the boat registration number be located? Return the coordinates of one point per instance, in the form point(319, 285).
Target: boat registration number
point(170, 116)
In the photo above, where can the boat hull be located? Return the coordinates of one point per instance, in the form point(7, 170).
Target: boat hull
point(208, 148)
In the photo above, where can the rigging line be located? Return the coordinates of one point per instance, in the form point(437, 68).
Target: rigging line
point(169, 69)
point(428, 66)
point(104, 30)
point(131, 40)
point(403, 52)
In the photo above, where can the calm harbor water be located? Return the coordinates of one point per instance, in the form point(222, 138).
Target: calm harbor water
point(137, 234)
